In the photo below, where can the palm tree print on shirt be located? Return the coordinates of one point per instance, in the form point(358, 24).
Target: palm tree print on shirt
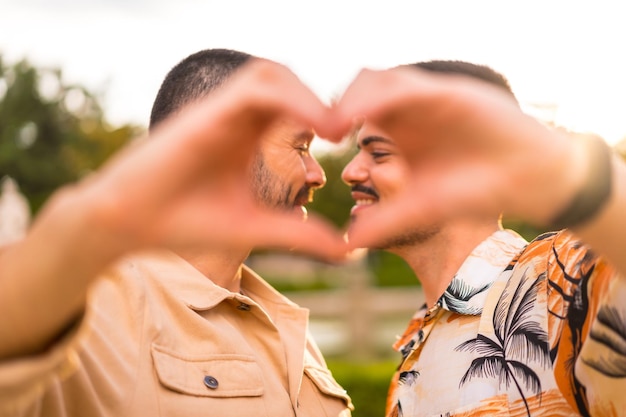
point(577, 299)
point(459, 295)
point(519, 341)
point(610, 332)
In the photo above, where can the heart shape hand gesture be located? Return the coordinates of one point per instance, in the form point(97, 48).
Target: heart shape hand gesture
point(468, 147)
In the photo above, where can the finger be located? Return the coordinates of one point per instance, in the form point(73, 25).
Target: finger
point(211, 137)
point(255, 227)
point(314, 237)
point(238, 114)
point(371, 92)
point(273, 91)
point(429, 200)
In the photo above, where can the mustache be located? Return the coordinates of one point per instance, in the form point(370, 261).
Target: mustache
point(305, 194)
point(364, 189)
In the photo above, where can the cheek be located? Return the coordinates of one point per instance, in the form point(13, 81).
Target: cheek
point(390, 180)
point(279, 159)
point(292, 170)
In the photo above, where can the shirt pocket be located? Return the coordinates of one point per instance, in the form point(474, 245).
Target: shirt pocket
point(323, 380)
point(217, 375)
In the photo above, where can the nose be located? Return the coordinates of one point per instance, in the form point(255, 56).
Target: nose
point(354, 172)
point(315, 176)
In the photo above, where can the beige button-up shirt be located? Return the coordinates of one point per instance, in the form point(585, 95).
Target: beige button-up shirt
point(160, 339)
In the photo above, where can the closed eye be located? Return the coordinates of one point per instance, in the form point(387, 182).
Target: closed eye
point(378, 155)
point(302, 147)
point(303, 150)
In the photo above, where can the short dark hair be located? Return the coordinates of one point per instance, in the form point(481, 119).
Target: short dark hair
point(194, 78)
point(481, 72)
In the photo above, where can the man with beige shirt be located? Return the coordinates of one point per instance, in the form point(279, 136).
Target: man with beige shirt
point(129, 297)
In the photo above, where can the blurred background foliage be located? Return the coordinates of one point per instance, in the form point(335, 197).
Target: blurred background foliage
point(367, 383)
point(51, 133)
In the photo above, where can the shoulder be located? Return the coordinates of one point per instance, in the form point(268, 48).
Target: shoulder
point(561, 247)
point(566, 260)
point(122, 289)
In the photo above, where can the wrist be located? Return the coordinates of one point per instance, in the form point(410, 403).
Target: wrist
point(591, 174)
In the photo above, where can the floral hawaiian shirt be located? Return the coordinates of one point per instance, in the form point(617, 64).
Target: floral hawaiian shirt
point(524, 329)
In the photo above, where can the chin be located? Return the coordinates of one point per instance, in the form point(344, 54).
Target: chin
point(349, 232)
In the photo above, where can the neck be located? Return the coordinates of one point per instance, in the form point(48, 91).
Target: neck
point(436, 260)
point(222, 267)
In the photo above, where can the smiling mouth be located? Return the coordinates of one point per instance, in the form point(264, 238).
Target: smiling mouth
point(361, 202)
point(363, 195)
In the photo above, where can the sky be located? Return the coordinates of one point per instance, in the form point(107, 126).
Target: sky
point(564, 59)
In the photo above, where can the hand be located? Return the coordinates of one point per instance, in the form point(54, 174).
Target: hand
point(187, 183)
point(470, 149)
point(184, 185)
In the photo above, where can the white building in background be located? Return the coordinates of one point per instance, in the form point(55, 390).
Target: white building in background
point(14, 212)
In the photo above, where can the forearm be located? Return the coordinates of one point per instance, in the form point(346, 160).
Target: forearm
point(579, 183)
point(44, 278)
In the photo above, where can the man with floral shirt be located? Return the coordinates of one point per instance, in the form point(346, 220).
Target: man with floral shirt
point(509, 328)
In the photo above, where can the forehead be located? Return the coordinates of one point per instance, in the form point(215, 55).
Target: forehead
point(369, 131)
point(293, 131)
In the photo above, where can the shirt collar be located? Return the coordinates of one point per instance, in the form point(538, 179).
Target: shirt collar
point(468, 290)
point(198, 292)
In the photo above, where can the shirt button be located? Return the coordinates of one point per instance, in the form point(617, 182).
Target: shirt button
point(243, 307)
point(210, 382)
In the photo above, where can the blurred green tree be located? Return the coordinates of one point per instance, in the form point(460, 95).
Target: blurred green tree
point(333, 201)
point(51, 133)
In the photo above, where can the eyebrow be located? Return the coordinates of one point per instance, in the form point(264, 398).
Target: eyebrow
point(373, 139)
point(305, 135)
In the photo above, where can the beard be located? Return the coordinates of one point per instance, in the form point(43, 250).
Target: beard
point(271, 191)
point(415, 236)
point(410, 238)
point(268, 187)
